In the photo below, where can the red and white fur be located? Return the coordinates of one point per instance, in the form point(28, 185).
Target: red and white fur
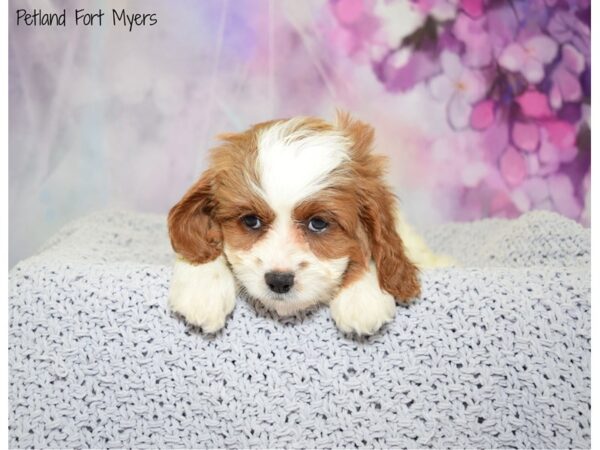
point(295, 213)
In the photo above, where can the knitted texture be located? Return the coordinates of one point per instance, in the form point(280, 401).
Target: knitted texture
point(495, 353)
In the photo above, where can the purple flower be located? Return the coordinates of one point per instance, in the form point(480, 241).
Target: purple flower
point(502, 26)
point(565, 27)
point(460, 87)
point(563, 196)
point(529, 57)
point(473, 33)
point(511, 76)
point(404, 69)
point(566, 86)
point(531, 11)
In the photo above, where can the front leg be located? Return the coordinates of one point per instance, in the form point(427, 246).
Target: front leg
point(362, 306)
point(204, 294)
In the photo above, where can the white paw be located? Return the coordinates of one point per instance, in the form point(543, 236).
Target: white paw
point(203, 294)
point(363, 307)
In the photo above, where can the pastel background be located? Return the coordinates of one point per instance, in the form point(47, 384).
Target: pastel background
point(482, 106)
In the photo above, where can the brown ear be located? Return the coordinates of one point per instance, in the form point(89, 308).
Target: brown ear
point(194, 233)
point(397, 274)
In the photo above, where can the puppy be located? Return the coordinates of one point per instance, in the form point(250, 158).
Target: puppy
point(295, 213)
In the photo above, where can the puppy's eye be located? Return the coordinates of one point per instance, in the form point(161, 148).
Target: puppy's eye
point(252, 221)
point(317, 225)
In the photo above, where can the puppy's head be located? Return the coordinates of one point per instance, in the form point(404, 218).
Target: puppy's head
point(299, 208)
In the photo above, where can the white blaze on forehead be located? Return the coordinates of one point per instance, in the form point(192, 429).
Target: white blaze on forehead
point(293, 165)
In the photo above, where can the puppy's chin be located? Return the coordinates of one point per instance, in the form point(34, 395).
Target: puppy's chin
point(287, 308)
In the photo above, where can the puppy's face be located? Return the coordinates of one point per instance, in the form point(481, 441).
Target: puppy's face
point(292, 235)
point(298, 208)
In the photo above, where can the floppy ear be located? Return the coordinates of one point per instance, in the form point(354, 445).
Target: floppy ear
point(396, 273)
point(194, 233)
point(377, 205)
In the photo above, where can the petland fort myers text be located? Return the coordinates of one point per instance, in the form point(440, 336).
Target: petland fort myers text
point(84, 17)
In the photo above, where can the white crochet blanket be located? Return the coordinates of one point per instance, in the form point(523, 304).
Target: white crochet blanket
point(495, 353)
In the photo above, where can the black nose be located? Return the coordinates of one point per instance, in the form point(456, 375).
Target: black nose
point(279, 282)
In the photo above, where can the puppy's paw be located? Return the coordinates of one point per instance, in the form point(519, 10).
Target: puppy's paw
point(203, 294)
point(363, 307)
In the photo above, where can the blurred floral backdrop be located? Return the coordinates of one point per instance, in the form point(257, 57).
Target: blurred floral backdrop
point(482, 105)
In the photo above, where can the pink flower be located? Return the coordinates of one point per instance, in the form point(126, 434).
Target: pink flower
point(557, 145)
point(356, 30)
point(534, 104)
point(561, 133)
point(557, 134)
point(473, 33)
point(501, 205)
point(459, 87)
point(482, 115)
point(513, 166)
point(565, 78)
point(529, 57)
point(526, 136)
point(473, 8)
point(348, 11)
point(494, 139)
point(345, 40)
